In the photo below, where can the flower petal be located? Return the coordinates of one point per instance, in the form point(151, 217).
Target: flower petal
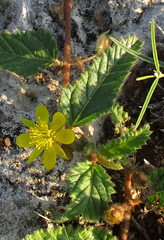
point(24, 140)
point(35, 153)
point(49, 158)
point(42, 113)
point(59, 151)
point(58, 121)
point(27, 122)
point(67, 136)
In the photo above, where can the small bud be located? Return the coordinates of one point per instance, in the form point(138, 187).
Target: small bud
point(102, 42)
point(114, 214)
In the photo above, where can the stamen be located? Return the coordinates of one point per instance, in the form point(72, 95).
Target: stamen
point(41, 136)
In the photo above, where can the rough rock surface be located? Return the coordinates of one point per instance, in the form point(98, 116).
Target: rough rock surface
point(28, 188)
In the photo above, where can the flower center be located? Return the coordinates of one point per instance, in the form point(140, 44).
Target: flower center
point(41, 136)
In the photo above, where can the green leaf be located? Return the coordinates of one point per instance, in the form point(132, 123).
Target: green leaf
point(157, 74)
point(70, 233)
point(90, 189)
point(93, 94)
point(157, 178)
point(58, 217)
point(145, 77)
point(118, 116)
point(156, 199)
point(135, 53)
point(123, 146)
point(147, 100)
point(102, 235)
point(153, 42)
point(110, 164)
point(27, 53)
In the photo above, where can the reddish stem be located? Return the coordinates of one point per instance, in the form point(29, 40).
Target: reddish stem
point(127, 198)
point(67, 45)
point(80, 64)
point(127, 184)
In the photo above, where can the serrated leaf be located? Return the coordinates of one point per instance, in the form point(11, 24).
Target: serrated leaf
point(158, 177)
point(113, 164)
point(157, 199)
point(123, 146)
point(93, 94)
point(70, 233)
point(102, 235)
point(90, 189)
point(27, 53)
point(118, 116)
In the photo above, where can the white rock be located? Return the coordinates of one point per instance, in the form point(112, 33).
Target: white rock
point(23, 187)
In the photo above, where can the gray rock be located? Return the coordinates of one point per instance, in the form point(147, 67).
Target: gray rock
point(28, 188)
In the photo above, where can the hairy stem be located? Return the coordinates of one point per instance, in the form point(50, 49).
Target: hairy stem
point(67, 45)
point(127, 198)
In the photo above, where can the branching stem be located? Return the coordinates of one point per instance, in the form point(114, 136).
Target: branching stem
point(67, 62)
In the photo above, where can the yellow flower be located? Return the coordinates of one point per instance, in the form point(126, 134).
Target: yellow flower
point(45, 137)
